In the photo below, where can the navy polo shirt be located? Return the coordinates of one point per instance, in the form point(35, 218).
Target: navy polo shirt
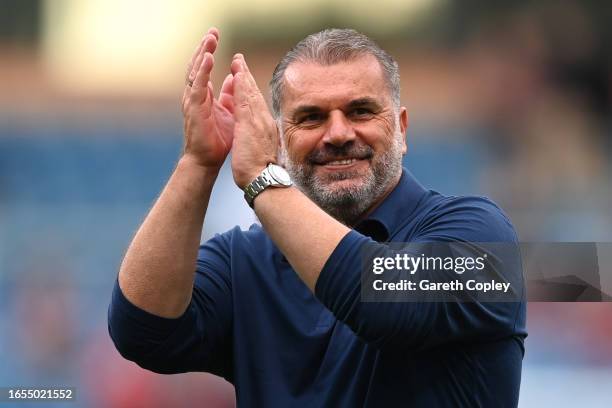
point(254, 322)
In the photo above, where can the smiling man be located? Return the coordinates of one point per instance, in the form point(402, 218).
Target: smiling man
point(276, 310)
point(344, 138)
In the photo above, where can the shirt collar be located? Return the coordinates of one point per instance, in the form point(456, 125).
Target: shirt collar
point(399, 205)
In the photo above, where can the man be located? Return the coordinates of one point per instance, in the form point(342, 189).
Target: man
point(276, 310)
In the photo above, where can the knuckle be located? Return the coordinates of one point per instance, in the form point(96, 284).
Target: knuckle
point(195, 95)
point(253, 95)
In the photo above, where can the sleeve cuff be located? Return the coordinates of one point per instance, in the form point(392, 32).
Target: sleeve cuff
point(120, 304)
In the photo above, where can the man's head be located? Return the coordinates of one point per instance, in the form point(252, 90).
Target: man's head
point(336, 98)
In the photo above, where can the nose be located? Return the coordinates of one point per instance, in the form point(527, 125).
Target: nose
point(339, 130)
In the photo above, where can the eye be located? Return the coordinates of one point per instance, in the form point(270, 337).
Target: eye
point(311, 117)
point(361, 113)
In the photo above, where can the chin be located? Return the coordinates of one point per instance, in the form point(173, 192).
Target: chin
point(348, 175)
point(345, 185)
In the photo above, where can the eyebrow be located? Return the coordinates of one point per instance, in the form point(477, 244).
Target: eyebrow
point(305, 109)
point(355, 103)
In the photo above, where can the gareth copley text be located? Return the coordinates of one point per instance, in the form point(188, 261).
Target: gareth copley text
point(456, 285)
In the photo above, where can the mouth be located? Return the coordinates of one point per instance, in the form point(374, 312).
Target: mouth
point(342, 164)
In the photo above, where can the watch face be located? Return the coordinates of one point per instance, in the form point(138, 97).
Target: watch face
point(279, 174)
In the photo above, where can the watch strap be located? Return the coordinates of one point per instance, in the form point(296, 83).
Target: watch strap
point(256, 186)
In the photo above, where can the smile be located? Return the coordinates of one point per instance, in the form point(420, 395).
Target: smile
point(344, 164)
point(341, 162)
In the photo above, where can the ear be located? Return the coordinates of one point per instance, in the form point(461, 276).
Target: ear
point(403, 122)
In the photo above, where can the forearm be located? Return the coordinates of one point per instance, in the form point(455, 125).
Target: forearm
point(157, 272)
point(304, 233)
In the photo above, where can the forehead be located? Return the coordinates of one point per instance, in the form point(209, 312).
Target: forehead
point(328, 86)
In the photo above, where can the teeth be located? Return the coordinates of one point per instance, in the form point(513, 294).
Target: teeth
point(341, 162)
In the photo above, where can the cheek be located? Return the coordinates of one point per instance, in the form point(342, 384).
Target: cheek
point(300, 144)
point(379, 134)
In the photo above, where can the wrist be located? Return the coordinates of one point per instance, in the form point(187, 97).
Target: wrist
point(192, 163)
point(272, 175)
point(245, 177)
point(245, 170)
point(206, 174)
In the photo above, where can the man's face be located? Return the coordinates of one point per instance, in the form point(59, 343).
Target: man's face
point(343, 138)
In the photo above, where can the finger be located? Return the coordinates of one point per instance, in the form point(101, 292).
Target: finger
point(195, 55)
point(226, 87)
point(210, 44)
point(214, 31)
point(226, 95)
point(242, 66)
point(199, 90)
point(191, 77)
point(200, 58)
point(184, 99)
point(241, 104)
point(236, 65)
point(251, 90)
point(243, 100)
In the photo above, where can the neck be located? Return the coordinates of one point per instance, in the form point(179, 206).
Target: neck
point(378, 201)
point(346, 213)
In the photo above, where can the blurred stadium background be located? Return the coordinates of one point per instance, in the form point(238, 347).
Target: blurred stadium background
point(506, 99)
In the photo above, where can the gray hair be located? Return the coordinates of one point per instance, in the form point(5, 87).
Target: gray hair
point(330, 47)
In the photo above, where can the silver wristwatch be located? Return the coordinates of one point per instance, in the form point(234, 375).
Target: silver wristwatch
point(272, 176)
